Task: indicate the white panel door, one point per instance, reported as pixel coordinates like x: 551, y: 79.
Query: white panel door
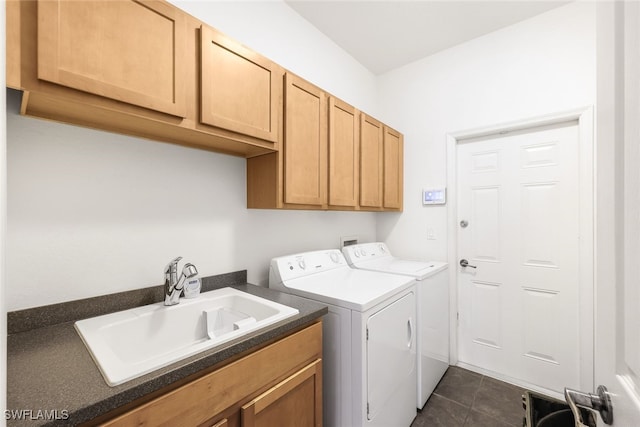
x: 519, y: 308
x: 617, y: 353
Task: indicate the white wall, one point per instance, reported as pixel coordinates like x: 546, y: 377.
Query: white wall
x: 540, y: 66
x: 92, y: 213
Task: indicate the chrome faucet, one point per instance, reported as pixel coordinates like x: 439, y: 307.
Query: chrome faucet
x: 172, y: 284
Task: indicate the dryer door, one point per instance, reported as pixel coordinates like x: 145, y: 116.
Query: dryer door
x: 391, y: 363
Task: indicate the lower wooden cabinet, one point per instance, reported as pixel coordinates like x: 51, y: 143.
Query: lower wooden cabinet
x: 278, y: 385
x: 293, y: 402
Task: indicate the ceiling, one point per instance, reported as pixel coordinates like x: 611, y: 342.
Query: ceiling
x: 383, y: 35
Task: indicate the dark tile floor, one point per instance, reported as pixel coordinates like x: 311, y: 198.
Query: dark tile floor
x: 464, y: 399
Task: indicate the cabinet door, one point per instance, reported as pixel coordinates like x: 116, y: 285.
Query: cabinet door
x: 130, y: 51
x: 343, y: 154
x: 240, y: 89
x: 371, y: 163
x: 295, y: 402
x: 393, y: 170
x: 305, y: 143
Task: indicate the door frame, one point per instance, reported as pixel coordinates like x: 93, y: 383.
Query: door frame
x: 584, y: 117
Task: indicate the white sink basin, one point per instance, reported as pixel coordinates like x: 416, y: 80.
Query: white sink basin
x: 131, y: 343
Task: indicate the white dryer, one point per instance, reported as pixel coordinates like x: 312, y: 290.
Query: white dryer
x: 369, y: 337
x: 433, y: 307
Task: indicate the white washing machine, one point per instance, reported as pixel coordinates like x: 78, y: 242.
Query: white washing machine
x: 433, y: 307
x: 369, y: 337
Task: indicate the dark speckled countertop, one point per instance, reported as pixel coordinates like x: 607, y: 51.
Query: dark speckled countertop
x: 50, y: 373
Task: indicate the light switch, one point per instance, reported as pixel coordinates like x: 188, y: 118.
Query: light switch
x: 431, y: 235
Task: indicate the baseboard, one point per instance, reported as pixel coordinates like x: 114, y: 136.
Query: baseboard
x: 511, y: 380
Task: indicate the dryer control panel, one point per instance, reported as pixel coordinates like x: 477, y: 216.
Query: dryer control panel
x: 304, y: 264
x: 365, y: 251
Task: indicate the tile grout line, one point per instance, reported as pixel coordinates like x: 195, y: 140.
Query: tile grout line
x: 468, y: 408
x: 474, y: 400
x: 450, y: 400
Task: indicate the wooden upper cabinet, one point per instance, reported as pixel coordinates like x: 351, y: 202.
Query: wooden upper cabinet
x: 305, y: 143
x: 147, y: 69
x: 393, y: 169
x: 129, y: 51
x: 12, y: 43
x: 240, y: 89
x: 344, y: 131
x: 371, y: 162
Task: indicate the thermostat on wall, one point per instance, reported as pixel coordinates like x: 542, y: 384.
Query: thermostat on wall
x: 434, y: 196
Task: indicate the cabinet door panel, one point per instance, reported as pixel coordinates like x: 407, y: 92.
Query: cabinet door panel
x: 371, y: 164
x: 130, y: 51
x: 393, y: 170
x: 343, y: 154
x: 295, y: 402
x: 240, y: 89
x: 305, y: 144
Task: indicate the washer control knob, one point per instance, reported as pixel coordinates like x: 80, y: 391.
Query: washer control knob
x: 356, y: 253
x: 363, y: 252
x: 302, y: 264
x: 382, y: 248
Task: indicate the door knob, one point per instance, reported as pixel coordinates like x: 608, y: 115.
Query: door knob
x: 600, y: 402
x: 465, y: 263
